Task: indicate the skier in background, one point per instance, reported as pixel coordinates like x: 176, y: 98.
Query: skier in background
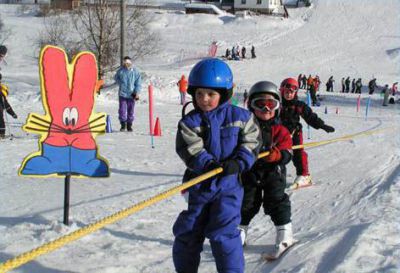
x: 4, y: 106
x: 245, y: 96
x: 386, y: 94
x: 3, y: 52
x: 329, y: 84
x: 130, y: 84
x: 310, y: 81
x: 343, y: 85
x: 265, y: 183
x: 299, y: 79
x: 347, y: 84
x: 372, y: 86
x: 244, y: 52
x: 353, y: 85
x: 358, y: 86
x: 182, y: 84
x: 228, y: 54
x: 253, y: 52
x: 292, y: 110
x: 304, y: 82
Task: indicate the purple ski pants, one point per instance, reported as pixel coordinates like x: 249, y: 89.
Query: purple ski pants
x: 126, y: 110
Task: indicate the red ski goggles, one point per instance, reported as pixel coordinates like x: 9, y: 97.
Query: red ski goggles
x: 264, y: 105
x: 291, y: 87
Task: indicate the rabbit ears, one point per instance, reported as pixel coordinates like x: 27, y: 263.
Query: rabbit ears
x: 63, y: 81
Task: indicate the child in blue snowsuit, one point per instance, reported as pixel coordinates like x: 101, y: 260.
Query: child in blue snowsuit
x: 214, y: 134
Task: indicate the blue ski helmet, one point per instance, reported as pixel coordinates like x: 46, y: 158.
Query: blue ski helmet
x: 214, y: 74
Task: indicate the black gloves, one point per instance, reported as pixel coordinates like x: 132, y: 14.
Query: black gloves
x: 212, y: 165
x: 15, y: 116
x: 135, y: 96
x: 230, y: 166
x: 328, y: 129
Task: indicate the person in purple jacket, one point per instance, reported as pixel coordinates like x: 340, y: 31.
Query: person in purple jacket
x: 130, y: 83
x: 214, y: 134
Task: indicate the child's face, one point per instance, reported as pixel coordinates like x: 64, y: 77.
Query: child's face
x: 289, y: 94
x: 268, y: 113
x: 207, y: 99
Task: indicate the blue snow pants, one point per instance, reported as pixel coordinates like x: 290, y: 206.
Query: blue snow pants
x: 213, y: 214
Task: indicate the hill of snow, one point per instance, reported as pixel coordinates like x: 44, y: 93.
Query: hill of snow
x: 347, y: 222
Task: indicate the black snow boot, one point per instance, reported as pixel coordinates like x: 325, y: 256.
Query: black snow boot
x: 129, y: 127
x: 123, y: 127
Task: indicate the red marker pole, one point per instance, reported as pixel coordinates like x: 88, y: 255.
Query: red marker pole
x: 151, y: 108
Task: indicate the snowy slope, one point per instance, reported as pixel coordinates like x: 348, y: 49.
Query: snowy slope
x: 347, y: 222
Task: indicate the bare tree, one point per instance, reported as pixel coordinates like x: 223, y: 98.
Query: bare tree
x: 98, y: 24
x: 142, y: 42
x: 58, y: 31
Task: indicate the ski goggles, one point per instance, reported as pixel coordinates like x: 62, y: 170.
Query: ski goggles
x: 291, y: 87
x: 264, y: 105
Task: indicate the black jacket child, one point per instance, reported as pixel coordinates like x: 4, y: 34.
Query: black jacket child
x: 265, y: 183
x: 290, y: 116
x: 4, y: 105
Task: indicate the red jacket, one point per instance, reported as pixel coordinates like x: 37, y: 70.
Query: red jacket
x: 273, y: 135
x: 183, y: 84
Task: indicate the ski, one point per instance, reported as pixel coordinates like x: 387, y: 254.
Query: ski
x: 278, y: 252
x: 296, y: 186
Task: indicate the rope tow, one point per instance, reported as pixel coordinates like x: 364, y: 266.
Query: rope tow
x: 63, y: 240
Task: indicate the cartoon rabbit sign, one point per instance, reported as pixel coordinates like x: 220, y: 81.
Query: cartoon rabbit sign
x: 68, y: 129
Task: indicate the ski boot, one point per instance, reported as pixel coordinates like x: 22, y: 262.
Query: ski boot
x: 301, y: 181
x: 284, y: 240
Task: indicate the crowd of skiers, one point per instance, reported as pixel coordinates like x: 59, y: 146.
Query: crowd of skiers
x: 218, y: 134
x: 348, y: 85
x: 237, y: 53
x: 310, y: 84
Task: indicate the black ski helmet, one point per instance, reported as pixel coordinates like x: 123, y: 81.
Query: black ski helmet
x: 263, y: 87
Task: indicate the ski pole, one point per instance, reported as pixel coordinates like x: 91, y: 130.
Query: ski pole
x: 8, y: 126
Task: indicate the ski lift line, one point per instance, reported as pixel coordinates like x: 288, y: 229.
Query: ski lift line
x: 320, y: 143
x: 86, y: 230
x: 343, y: 138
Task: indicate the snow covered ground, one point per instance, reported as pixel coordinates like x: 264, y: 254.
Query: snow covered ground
x: 347, y: 222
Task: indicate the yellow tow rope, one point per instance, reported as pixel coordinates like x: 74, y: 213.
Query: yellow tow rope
x: 63, y: 240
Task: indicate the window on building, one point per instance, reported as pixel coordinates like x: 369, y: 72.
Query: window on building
x: 259, y: 2
x: 243, y: 2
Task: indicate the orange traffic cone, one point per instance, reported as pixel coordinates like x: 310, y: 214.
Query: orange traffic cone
x: 157, y: 128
